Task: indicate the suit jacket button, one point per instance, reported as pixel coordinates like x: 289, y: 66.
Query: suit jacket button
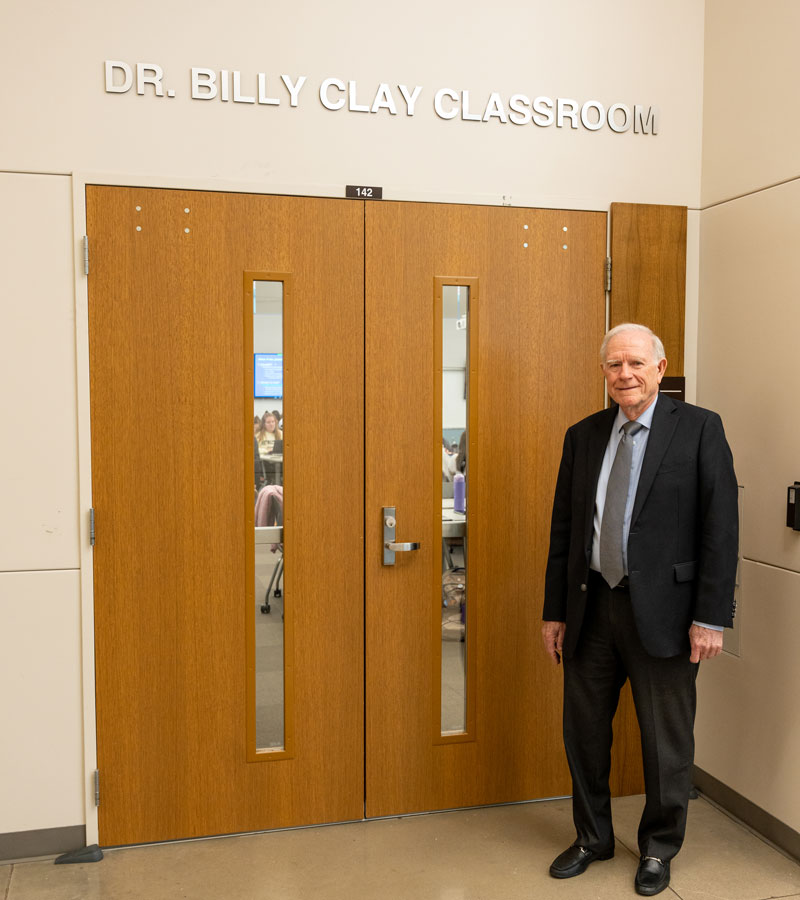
x: 583, y: 588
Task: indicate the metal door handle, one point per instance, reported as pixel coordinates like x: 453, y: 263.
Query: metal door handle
x: 390, y: 545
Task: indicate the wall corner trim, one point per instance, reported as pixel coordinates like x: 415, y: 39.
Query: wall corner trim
x: 20, y: 845
x: 754, y: 817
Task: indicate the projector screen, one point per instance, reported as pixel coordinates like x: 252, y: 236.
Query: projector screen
x: 268, y: 376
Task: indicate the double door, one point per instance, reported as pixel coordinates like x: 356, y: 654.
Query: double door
x: 373, y: 658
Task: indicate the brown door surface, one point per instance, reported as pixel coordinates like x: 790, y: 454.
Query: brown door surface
x: 648, y: 249
x: 536, y: 319
x: 170, y: 421
x: 170, y: 358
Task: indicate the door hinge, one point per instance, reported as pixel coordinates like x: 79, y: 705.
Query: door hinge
x: 86, y: 254
x: 608, y: 273
x: 97, y: 787
x: 91, y: 527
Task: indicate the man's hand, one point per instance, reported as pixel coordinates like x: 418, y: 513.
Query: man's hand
x: 706, y: 643
x: 553, y: 637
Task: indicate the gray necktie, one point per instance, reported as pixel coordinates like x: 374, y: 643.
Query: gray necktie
x: 614, y: 510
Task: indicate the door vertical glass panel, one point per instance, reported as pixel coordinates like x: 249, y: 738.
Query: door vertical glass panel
x: 268, y: 497
x: 455, y: 400
x: 454, y: 607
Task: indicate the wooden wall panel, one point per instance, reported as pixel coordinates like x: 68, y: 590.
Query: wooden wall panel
x: 648, y: 252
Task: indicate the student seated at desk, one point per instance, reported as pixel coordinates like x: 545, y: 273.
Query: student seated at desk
x: 448, y: 464
x: 268, y: 434
x: 461, y: 459
x: 260, y: 479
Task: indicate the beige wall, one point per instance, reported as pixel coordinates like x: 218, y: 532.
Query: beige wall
x: 41, y: 752
x: 748, y: 733
x: 59, y: 124
x: 41, y: 705
x: 752, y: 69
x: 57, y: 116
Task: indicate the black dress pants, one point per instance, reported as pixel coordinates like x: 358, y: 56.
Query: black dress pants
x: 609, y: 652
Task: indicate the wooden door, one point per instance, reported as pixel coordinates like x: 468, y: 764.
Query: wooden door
x: 536, y: 319
x: 173, y: 494
x: 648, y: 250
x: 170, y: 293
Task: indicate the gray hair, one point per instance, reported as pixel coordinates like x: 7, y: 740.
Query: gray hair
x: 658, y: 347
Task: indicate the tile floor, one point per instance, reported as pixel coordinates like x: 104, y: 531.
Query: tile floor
x: 501, y: 853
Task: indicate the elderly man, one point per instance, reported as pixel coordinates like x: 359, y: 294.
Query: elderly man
x: 639, y: 585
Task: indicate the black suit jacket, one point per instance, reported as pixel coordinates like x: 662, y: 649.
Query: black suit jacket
x: 684, y: 534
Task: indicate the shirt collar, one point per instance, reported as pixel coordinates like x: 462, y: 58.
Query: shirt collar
x: 645, y: 419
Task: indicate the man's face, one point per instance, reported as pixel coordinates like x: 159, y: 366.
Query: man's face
x: 632, y: 374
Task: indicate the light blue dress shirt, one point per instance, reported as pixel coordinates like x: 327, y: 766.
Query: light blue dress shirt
x: 639, y: 447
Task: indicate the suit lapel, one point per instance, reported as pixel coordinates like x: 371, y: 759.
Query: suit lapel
x: 665, y: 419
x: 595, y: 451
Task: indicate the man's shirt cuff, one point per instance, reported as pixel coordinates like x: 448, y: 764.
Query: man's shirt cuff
x: 712, y: 627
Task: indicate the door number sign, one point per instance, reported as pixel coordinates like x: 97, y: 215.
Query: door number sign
x: 363, y: 192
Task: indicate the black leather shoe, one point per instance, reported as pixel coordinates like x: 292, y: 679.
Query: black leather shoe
x: 574, y: 861
x: 652, y: 876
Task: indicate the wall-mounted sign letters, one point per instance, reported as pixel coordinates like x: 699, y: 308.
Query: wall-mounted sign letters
x: 335, y: 94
